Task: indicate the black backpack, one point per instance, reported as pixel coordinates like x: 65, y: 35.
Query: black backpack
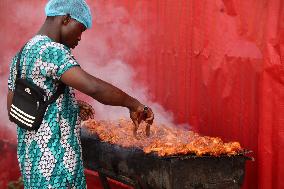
x: 30, y: 102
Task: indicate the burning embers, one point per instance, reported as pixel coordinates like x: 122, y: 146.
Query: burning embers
x: 165, y: 141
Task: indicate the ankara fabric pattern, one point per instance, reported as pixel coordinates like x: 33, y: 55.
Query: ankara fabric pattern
x: 50, y: 157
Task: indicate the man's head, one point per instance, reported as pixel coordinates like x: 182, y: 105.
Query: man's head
x: 74, y: 17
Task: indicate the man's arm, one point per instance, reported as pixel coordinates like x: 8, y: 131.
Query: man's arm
x: 106, y: 94
x: 98, y: 89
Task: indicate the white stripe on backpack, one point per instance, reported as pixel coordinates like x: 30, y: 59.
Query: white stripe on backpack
x: 27, y: 124
x: 23, y: 113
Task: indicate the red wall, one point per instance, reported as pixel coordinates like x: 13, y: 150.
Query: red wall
x: 218, y: 65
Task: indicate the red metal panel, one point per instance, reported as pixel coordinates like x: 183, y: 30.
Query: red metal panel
x: 271, y: 130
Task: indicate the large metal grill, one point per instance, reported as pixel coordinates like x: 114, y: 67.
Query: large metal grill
x: 133, y: 167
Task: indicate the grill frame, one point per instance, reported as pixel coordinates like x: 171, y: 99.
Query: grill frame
x: 133, y: 167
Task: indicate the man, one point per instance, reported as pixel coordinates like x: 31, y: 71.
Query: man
x: 51, y: 157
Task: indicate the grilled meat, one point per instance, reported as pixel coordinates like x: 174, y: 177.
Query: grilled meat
x: 164, y: 140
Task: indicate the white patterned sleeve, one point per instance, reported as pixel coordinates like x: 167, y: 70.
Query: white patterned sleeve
x: 58, y: 60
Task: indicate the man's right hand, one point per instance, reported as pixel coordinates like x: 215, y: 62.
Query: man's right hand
x: 142, y: 113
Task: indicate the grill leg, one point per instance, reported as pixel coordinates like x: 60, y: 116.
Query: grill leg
x: 104, y: 174
x: 104, y: 181
x: 137, y: 186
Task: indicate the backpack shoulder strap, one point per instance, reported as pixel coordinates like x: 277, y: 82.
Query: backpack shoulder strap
x: 60, y: 90
x: 18, y: 63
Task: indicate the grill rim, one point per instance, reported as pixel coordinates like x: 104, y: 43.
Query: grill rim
x: 243, y: 153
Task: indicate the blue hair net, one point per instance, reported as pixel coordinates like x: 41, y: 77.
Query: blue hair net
x: 78, y: 10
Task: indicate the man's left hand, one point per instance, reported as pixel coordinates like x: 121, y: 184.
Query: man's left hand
x: 86, y: 110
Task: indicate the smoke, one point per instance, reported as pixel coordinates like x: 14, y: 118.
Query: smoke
x: 117, y: 37
x: 122, y: 75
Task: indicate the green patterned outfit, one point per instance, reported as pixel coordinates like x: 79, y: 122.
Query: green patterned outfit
x: 52, y: 156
